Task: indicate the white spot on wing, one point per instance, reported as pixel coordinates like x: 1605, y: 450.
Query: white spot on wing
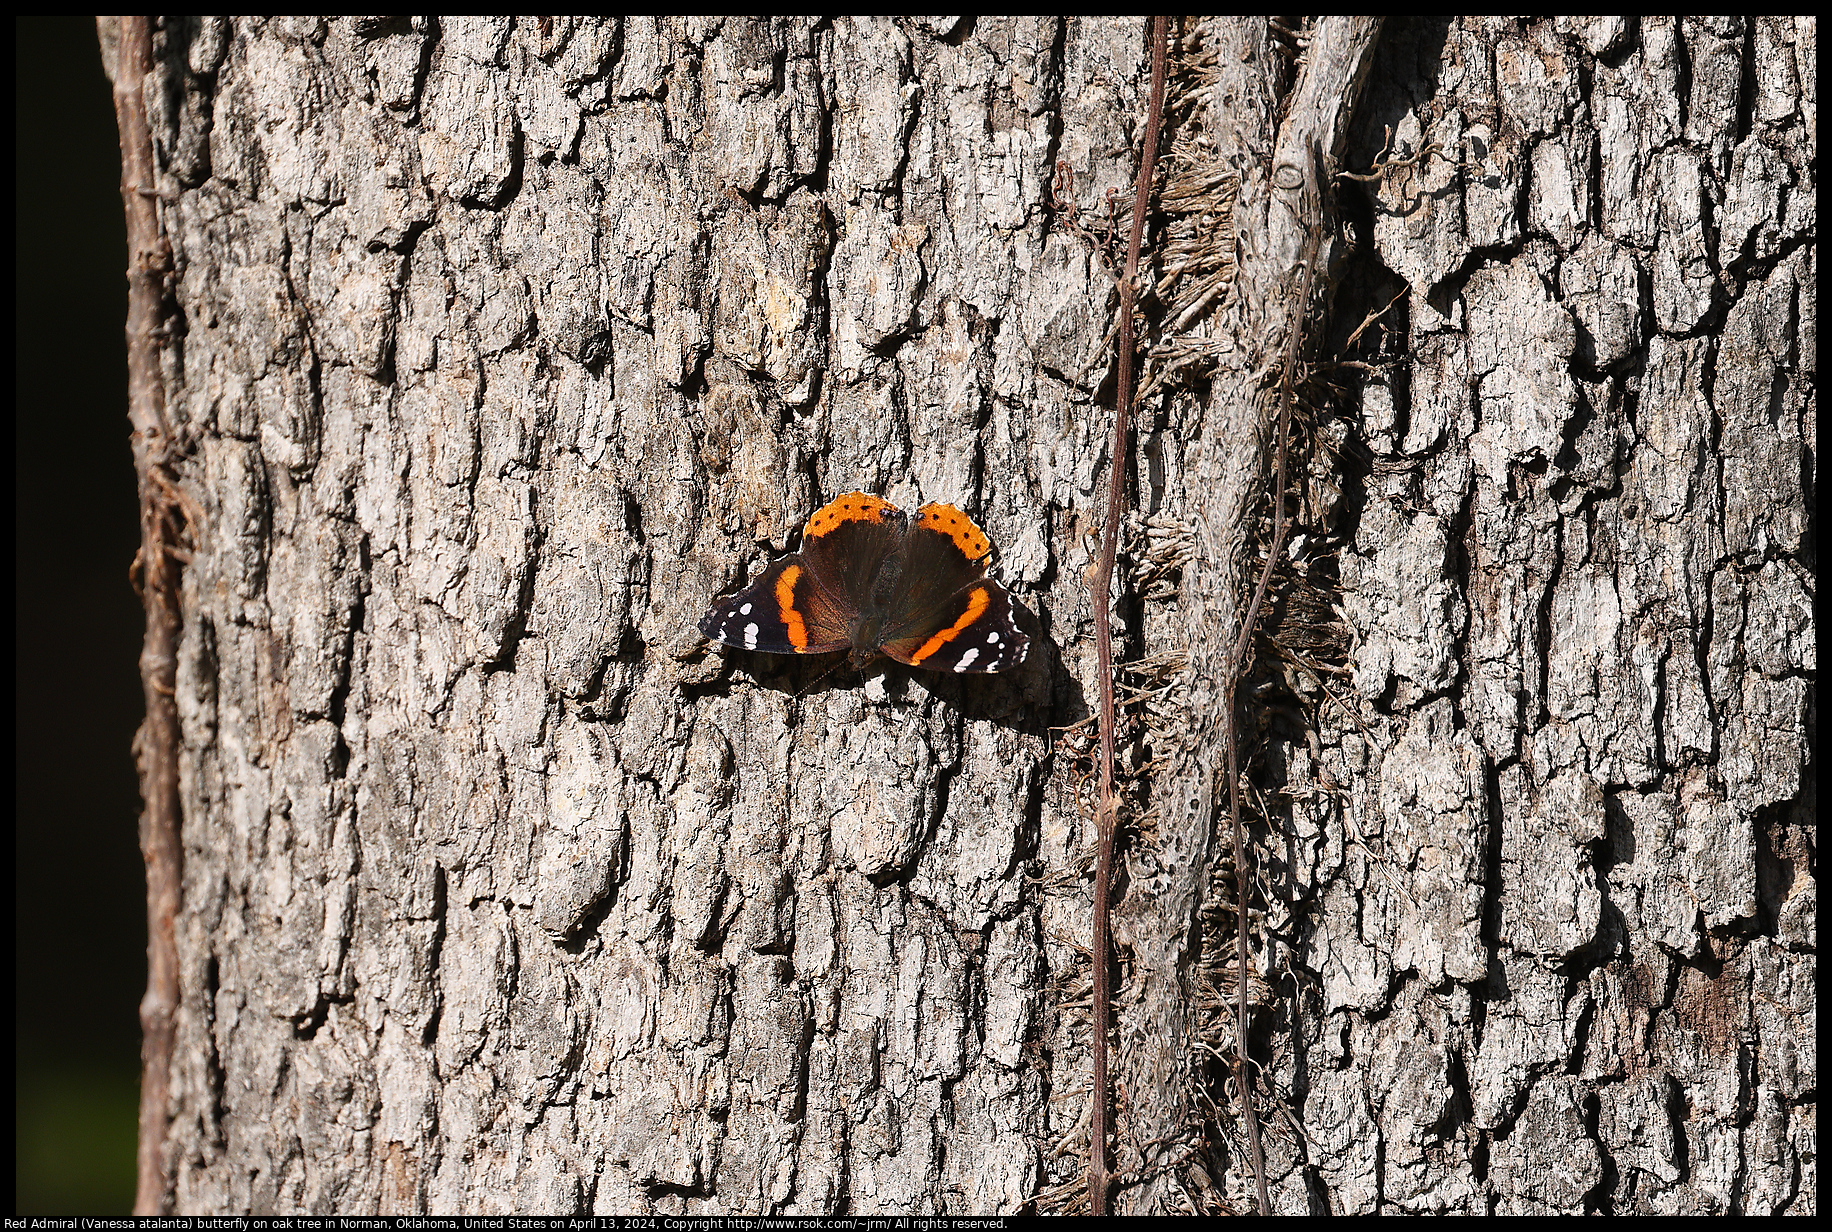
x: 967, y: 659
x: 750, y: 636
x: 744, y: 609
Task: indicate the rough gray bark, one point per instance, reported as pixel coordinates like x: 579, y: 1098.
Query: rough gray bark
x: 504, y: 345
x: 1539, y: 919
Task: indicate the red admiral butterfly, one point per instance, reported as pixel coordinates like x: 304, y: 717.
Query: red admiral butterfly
x: 872, y: 579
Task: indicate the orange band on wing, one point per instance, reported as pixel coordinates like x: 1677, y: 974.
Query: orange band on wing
x: 852, y: 507
x: 957, y: 526
x: 792, y: 622
x: 978, y: 599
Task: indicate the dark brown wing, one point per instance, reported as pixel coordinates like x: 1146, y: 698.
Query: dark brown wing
x: 941, y: 610
x: 973, y: 631
x: 783, y: 612
x: 847, y: 546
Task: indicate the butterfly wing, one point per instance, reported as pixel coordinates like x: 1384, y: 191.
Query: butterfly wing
x: 809, y: 602
x: 949, y: 615
x: 973, y: 631
x: 783, y: 612
x: 847, y: 544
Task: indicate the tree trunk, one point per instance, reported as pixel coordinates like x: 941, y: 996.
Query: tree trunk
x: 1538, y: 882
x: 499, y: 347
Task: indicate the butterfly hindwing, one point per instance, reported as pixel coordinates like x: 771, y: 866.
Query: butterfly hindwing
x: 950, y: 615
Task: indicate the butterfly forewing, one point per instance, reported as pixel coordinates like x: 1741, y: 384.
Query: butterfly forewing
x: 784, y: 611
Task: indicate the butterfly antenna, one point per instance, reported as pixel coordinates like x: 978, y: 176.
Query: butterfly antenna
x: 801, y: 692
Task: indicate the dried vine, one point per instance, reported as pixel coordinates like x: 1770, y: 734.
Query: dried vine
x: 157, y: 571
x: 1241, y: 268
x: 1100, y: 588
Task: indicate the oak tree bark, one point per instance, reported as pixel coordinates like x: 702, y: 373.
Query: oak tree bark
x: 1539, y: 880
x: 500, y: 346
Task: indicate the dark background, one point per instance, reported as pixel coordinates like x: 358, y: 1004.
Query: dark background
x: 80, y: 890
